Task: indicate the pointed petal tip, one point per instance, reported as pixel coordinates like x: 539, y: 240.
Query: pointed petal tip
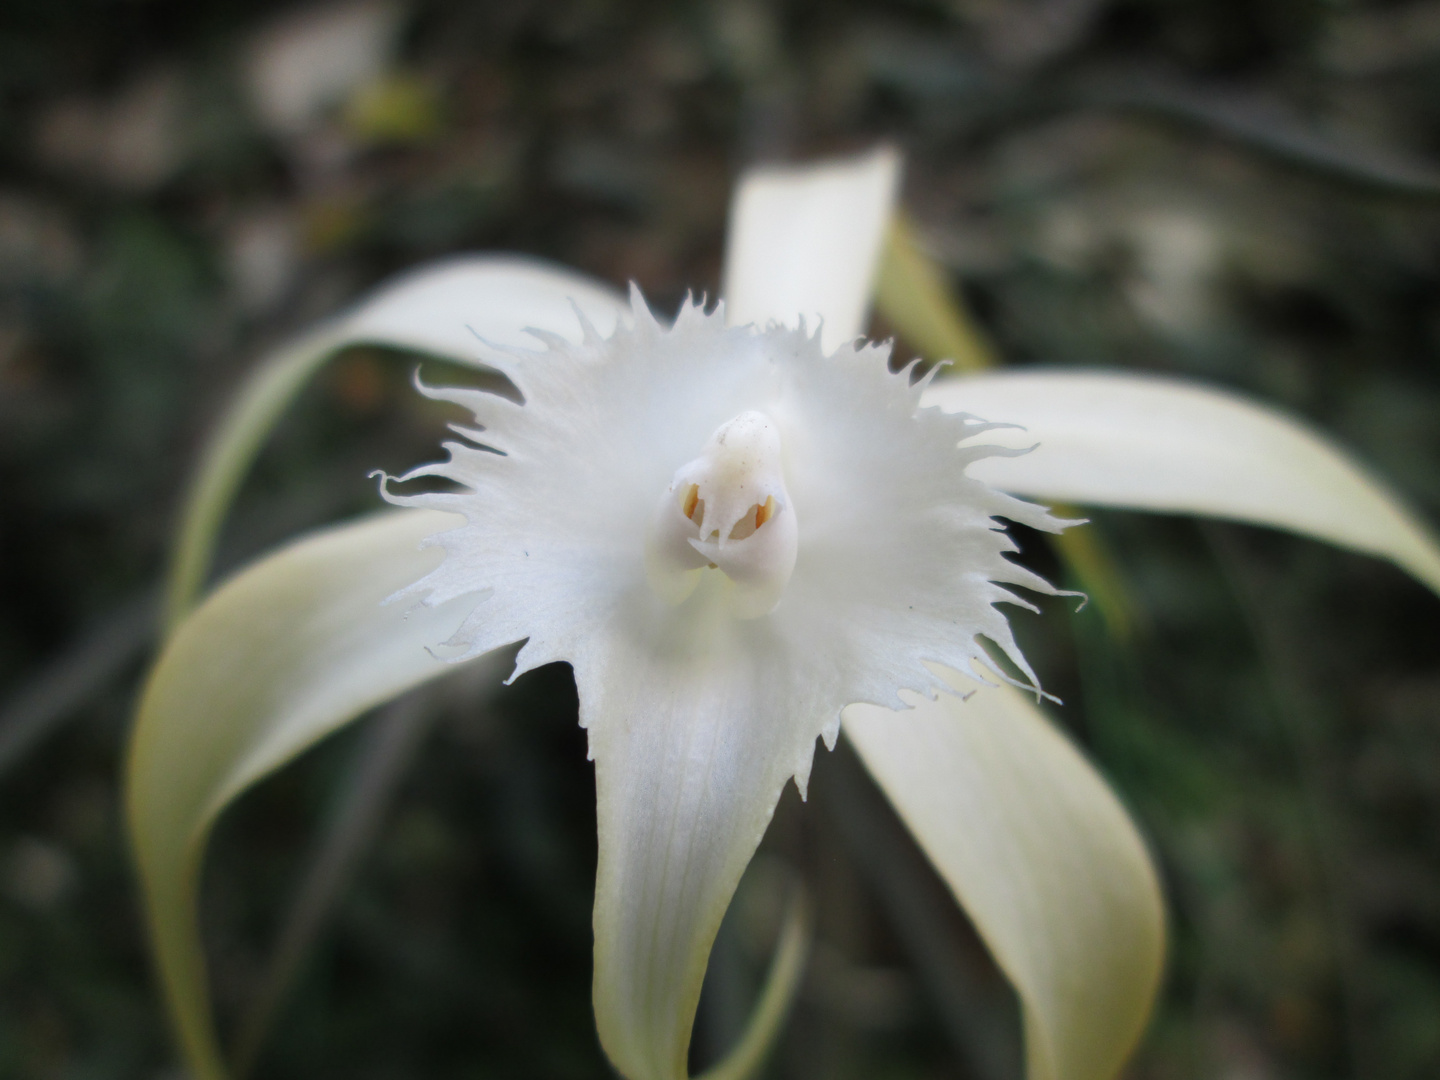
x: 804, y: 241
x: 1041, y: 855
x: 1149, y: 442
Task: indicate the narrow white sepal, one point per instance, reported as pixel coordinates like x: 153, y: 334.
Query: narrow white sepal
x: 274, y: 660
x: 804, y: 242
x: 1042, y: 856
x: 1145, y: 442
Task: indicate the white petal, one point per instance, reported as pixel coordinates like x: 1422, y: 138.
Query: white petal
x: 1041, y: 855
x: 273, y: 661
x: 804, y: 242
x: 445, y: 309
x: 696, y: 717
x: 689, y: 728
x: 1152, y: 443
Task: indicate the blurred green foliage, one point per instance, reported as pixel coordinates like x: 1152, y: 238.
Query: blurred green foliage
x: 1235, y: 191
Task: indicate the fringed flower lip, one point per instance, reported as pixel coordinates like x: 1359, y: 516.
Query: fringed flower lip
x: 820, y: 492
x: 742, y: 536
x: 730, y: 536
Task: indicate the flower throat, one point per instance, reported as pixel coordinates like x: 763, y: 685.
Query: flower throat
x: 727, y: 510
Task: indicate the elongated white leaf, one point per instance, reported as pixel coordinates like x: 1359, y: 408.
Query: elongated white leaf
x: 1150, y: 443
x: 276, y: 659
x: 804, y: 241
x: 1040, y: 854
x: 446, y: 309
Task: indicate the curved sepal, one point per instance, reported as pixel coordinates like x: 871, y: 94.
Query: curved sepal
x: 1150, y: 443
x: 804, y: 242
x: 448, y: 310
x: 283, y: 654
x: 690, y: 760
x: 1042, y: 856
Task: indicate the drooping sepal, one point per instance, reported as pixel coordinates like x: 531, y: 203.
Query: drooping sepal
x: 280, y: 656
x: 1043, y: 858
x: 1144, y: 442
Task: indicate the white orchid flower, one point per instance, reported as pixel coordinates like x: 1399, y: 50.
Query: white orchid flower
x: 742, y: 535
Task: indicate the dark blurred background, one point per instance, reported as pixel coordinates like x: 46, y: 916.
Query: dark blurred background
x: 1244, y: 192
